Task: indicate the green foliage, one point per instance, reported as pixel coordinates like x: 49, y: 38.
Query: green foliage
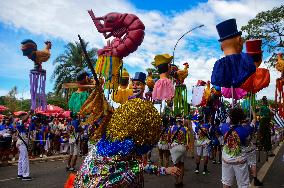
x: 268, y: 26
x: 70, y: 63
x: 56, y: 100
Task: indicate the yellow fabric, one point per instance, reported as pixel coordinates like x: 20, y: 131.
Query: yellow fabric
x: 162, y: 59
x: 121, y: 96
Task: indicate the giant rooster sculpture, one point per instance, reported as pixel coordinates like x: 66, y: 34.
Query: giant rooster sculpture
x: 37, y: 75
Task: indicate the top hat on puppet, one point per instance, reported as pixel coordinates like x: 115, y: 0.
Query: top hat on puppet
x: 125, y: 74
x: 254, y: 46
x: 139, y: 76
x: 228, y: 29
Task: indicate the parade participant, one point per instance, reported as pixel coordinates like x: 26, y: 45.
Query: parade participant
x: 123, y: 92
x: 179, y: 144
x: 233, y: 155
x: 74, y: 143
x: 264, y: 131
x: 251, y: 149
x: 202, y: 143
x: 164, y: 88
x: 163, y: 144
x: 22, y: 145
x: 216, y: 138
x: 80, y: 96
x: 115, y: 160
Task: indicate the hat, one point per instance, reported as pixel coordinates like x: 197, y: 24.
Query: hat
x: 254, y: 46
x: 227, y: 29
x: 162, y: 59
x: 139, y: 76
x: 124, y: 74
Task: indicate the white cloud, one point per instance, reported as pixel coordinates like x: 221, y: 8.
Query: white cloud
x: 65, y: 19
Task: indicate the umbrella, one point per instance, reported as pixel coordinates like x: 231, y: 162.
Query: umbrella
x: 65, y: 114
x: 18, y: 113
x: 50, y: 110
x: 3, y: 108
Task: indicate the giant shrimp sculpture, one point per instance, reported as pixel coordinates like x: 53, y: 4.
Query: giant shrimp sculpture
x: 128, y: 33
x: 37, y: 75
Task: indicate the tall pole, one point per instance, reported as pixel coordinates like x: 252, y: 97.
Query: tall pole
x: 181, y: 38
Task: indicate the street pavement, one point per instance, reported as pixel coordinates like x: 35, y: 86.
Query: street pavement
x: 52, y: 174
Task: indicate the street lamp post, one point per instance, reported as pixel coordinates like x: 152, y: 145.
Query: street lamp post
x: 182, y: 37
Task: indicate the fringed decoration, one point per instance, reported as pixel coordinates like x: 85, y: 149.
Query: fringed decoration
x: 180, y: 100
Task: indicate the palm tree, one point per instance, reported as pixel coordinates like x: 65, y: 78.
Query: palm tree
x: 70, y: 63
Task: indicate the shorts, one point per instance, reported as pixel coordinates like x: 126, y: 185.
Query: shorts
x: 74, y: 149
x: 240, y: 171
x: 202, y: 150
x: 178, y: 153
x: 251, y: 158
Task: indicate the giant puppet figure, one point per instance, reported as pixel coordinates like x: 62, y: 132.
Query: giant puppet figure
x: 37, y: 75
x: 128, y: 33
x: 233, y: 69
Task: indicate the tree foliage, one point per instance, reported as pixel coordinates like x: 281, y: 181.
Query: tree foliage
x: 69, y: 63
x: 268, y: 26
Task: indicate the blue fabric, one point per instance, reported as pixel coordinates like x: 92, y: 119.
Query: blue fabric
x: 232, y: 70
x: 243, y: 132
x: 2, y: 127
x: 204, y: 126
x: 76, y: 124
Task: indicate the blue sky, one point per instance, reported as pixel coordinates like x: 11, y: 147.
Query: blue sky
x: 165, y: 22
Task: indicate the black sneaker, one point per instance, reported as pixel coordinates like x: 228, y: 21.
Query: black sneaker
x: 257, y: 183
x: 196, y: 171
x: 26, y: 178
x: 219, y: 162
x: 19, y: 177
x: 214, y: 161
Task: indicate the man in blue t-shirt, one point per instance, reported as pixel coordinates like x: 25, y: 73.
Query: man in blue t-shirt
x: 233, y: 155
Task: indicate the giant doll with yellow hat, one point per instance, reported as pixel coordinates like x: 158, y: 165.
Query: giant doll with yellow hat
x: 164, y: 88
x: 123, y: 92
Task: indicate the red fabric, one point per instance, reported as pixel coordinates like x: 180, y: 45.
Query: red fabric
x: 69, y: 183
x: 256, y: 82
x: 279, y: 96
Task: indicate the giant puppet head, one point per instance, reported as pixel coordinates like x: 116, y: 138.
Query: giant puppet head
x: 138, y: 84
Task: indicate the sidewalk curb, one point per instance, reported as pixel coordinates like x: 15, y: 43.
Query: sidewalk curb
x: 265, y: 167
x: 50, y: 158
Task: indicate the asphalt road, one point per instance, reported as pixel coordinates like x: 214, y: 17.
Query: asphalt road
x: 52, y: 174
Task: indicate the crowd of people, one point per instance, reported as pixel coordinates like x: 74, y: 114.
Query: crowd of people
x: 46, y: 136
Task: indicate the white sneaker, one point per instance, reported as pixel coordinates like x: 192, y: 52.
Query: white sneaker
x: 44, y: 156
x: 13, y: 159
x: 40, y: 155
